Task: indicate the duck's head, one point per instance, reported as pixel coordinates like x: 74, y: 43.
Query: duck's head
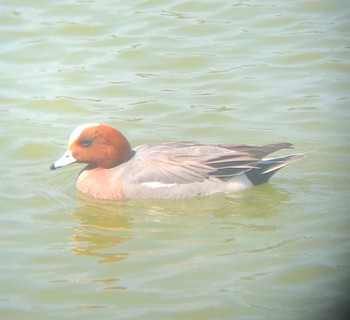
x: 97, y: 145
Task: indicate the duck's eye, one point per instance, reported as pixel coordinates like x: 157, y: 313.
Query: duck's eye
x: 86, y: 142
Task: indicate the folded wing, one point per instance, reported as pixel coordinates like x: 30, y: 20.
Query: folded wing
x: 186, y: 162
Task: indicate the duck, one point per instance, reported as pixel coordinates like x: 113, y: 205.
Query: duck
x: 169, y: 170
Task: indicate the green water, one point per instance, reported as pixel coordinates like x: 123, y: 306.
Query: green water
x: 253, y: 72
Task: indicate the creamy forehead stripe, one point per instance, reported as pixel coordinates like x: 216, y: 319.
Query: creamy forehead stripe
x: 78, y: 130
x: 155, y: 184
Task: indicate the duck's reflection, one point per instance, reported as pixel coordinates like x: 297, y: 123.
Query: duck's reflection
x: 101, y: 228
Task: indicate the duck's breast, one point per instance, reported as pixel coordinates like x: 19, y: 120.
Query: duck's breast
x: 101, y: 184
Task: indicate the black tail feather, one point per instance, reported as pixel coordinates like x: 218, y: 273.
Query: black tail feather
x: 268, y: 167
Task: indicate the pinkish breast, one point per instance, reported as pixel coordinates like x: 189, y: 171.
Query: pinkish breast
x: 100, y: 184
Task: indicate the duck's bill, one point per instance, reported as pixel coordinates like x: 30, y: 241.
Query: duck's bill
x: 65, y: 160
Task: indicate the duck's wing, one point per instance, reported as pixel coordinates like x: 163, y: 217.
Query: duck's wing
x: 185, y: 162
x: 258, y: 152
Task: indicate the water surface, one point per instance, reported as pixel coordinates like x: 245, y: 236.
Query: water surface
x: 211, y: 71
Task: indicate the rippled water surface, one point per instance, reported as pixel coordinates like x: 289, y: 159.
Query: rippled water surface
x: 211, y: 71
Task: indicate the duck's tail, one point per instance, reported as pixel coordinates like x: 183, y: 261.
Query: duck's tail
x: 266, y: 168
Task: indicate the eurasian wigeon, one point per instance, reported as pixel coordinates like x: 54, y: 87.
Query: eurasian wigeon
x: 170, y: 170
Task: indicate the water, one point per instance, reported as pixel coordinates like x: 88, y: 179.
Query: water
x: 211, y: 71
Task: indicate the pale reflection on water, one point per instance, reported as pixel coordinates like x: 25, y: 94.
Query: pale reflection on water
x: 99, y: 231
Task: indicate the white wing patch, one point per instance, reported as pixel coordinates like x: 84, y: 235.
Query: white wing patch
x: 155, y: 184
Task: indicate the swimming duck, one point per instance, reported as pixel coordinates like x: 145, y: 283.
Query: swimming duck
x: 170, y: 170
